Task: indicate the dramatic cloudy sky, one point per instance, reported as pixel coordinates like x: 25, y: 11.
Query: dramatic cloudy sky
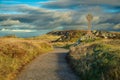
x: 35, y: 17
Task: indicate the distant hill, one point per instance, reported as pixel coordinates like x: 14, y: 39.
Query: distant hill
x: 68, y: 35
x: 74, y: 35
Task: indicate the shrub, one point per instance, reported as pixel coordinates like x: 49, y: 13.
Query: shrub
x: 97, y: 62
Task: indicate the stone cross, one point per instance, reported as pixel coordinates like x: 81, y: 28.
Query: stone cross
x: 89, y: 18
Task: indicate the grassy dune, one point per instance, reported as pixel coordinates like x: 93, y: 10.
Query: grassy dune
x: 46, y: 37
x: 15, y: 53
x: 52, y: 40
x: 98, y: 60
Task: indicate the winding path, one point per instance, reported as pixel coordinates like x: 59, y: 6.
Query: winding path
x: 49, y: 66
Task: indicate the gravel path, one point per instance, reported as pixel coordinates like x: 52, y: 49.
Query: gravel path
x: 49, y: 66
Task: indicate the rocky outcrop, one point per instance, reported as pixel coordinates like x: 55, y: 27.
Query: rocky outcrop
x: 75, y: 35
x: 68, y: 35
x: 109, y: 35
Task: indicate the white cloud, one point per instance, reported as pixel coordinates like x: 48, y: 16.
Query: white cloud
x: 117, y: 26
x: 16, y: 30
x: 9, y: 22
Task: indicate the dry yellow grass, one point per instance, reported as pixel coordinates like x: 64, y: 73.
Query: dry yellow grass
x: 52, y: 39
x: 46, y: 37
x: 15, y: 53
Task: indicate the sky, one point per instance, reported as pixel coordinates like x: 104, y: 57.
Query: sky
x: 27, y: 18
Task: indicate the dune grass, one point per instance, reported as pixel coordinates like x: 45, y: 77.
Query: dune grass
x: 15, y: 53
x: 97, y: 61
x: 52, y: 40
x: 45, y: 37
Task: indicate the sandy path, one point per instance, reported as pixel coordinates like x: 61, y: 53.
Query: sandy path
x: 49, y: 66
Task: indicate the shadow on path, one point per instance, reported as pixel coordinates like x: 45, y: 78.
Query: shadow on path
x: 64, y: 71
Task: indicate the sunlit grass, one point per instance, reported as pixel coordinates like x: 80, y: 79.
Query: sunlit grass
x: 46, y: 37
x: 15, y: 53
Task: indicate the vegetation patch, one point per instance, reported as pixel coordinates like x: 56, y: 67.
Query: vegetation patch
x: 15, y: 53
x: 97, y: 60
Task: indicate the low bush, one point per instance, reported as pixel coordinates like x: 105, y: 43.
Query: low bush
x: 96, y: 61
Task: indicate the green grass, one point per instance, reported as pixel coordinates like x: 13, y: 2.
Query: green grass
x: 15, y: 53
x: 97, y: 60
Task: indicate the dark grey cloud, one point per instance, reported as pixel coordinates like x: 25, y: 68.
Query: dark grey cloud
x: 110, y: 18
x: 80, y: 3
x: 23, y: 8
